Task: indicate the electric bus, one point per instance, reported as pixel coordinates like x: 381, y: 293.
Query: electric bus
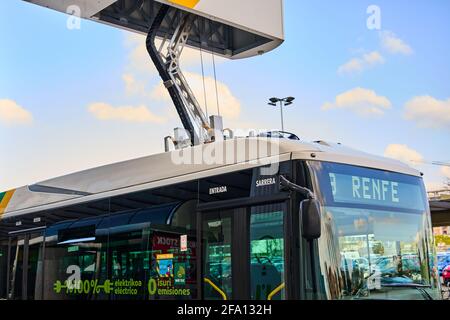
x: 273, y: 219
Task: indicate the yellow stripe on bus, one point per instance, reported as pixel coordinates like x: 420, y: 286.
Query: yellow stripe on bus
x: 5, y: 201
x: 186, y: 3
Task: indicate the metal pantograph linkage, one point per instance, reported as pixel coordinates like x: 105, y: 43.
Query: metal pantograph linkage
x: 168, y: 65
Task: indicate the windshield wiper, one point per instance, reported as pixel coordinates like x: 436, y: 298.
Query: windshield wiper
x: 411, y: 285
x: 420, y: 287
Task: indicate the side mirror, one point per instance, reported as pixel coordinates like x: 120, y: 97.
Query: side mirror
x: 311, y: 219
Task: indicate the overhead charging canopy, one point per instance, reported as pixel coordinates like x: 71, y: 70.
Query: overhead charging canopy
x: 230, y: 28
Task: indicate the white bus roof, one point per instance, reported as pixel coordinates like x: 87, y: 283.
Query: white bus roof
x: 232, y: 28
x: 162, y: 169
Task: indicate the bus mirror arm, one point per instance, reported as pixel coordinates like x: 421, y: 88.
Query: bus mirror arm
x: 309, y: 210
x: 286, y: 184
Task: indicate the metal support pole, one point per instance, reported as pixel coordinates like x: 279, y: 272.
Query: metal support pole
x: 25, y: 260
x: 282, y: 121
x: 8, y: 268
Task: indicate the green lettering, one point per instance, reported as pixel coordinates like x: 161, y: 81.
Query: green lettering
x: 152, y: 286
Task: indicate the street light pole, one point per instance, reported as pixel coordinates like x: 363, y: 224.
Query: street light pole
x: 283, y: 102
x: 282, y: 121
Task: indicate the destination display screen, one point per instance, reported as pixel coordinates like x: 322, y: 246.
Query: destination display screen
x: 356, y: 185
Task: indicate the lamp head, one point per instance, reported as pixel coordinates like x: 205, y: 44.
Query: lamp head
x: 274, y: 100
x: 289, y: 99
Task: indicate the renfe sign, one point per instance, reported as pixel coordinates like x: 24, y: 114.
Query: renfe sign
x: 375, y: 191
x: 367, y: 188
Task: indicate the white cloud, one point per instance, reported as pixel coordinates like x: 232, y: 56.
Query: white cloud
x: 229, y: 105
x: 140, y: 77
x: 444, y: 174
x: 11, y: 113
x: 403, y: 153
x: 428, y: 112
x: 362, y: 101
x: 394, y: 44
x: 140, y: 70
x: 434, y: 186
x: 389, y: 41
x: 445, y: 171
x: 354, y: 65
x: 104, y: 111
x: 159, y: 92
x: 133, y: 86
x: 360, y: 64
x: 373, y: 57
x: 138, y: 60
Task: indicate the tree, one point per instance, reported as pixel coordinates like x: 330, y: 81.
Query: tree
x: 442, y: 238
x: 378, y: 248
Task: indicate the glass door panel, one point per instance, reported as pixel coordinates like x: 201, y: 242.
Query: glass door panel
x: 267, y: 259
x: 217, y: 258
x: 15, y: 275
x: 243, y: 253
x: 34, y: 267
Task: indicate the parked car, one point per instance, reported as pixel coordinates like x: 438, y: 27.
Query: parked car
x: 387, y: 266
x: 349, y: 264
x: 446, y: 275
x: 363, y: 263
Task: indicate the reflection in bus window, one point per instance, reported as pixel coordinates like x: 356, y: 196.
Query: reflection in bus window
x: 173, y: 271
x: 75, y: 270
x: 217, y: 252
x: 130, y: 255
x: 374, y: 253
x: 267, y: 253
x: 374, y: 242
x: 127, y: 250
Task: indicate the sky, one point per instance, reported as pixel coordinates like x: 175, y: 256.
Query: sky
x: 72, y: 99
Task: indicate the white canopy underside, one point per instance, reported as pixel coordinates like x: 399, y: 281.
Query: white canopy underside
x: 231, y: 28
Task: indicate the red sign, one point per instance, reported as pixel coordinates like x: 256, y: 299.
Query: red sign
x: 183, y: 243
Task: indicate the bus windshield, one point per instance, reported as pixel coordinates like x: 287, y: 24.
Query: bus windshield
x: 376, y: 234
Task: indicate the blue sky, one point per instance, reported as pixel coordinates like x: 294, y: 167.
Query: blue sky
x: 399, y: 76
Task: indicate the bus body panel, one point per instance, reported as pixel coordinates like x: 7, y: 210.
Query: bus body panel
x: 163, y: 169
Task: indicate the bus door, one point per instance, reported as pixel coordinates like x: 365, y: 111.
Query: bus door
x: 24, y: 265
x: 267, y: 248
x: 243, y: 253
x: 218, y: 259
